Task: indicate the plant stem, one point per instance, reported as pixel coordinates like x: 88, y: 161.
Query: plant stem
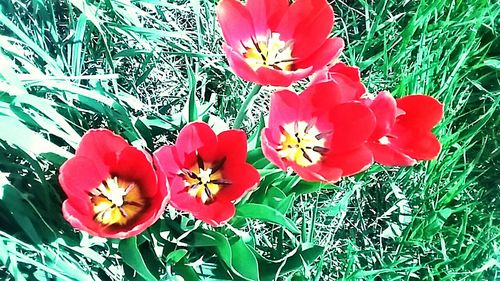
x: 243, y: 110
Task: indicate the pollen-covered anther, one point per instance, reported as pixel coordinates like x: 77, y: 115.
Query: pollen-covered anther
x: 204, y: 180
x: 302, y: 143
x: 269, y: 51
x: 116, y: 201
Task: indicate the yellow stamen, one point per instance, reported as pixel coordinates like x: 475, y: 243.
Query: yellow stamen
x: 204, y: 180
x: 301, y: 143
x: 116, y: 201
x: 270, y: 52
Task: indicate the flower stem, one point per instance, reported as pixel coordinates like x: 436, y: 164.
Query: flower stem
x: 243, y: 109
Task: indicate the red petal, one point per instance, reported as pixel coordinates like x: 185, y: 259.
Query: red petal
x: 266, y: 15
x: 239, y: 66
x: 102, y: 146
x: 148, y: 217
x: 388, y: 156
x: 243, y: 177
x: 235, y: 21
x: 269, y: 149
x: 284, y: 109
x: 133, y: 165
x: 347, y: 78
x: 279, y: 78
x: 318, y: 173
x: 233, y: 145
x: 215, y: 213
x: 330, y: 50
x: 80, y: 221
x: 350, y: 73
x: 421, y: 112
x: 416, y: 144
x: 303, y: 17
x: 384, y: 109
x: 166, y: 159
x: 196, y: 136
x: 351, y: 162
x: 353, y: 123
x: 78, y: 176
x: 321, y: 97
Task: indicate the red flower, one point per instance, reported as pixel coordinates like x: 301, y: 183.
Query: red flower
x: 343, y: 78
x: 274, y: 43
x: 113, y: 190
x: 317, y: 134
x: 403, y: 131
x: 207, y: 172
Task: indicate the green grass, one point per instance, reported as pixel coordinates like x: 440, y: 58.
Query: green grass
x: 143, y: 68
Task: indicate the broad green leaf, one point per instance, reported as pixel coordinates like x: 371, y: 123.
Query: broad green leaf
x: 244, y: 261
x: 132, y: 256
x: 265, y: 213
x: 236, y: 255
x: 175, y: 256
x: 16, y: 133
x: 214, y: 239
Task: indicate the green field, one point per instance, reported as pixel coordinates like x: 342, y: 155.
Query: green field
x: 143, y: 68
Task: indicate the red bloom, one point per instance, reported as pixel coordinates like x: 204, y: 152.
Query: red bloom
x: 207, y: 172
x: 403, y: 131
x: 113, y: 190
x: 343, y: 78
x: 274, y: 43
x: 317, y: 134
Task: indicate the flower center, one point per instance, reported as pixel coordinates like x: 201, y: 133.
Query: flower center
x: 302, y: 143
x: 116, y: 201
x: 269, y: 52
x: 204, y: 180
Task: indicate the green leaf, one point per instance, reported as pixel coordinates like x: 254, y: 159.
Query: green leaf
x: 244, y: 261
x: 237, y: 256
x: 265, y: 213
x: 303, y: 255
x: 175, y: 256
x: 276, y: 199
x: 132, y: 256
x: 16, y: 133
x: 213, y: 239
x: 192, y: 108
x: 254, y: 139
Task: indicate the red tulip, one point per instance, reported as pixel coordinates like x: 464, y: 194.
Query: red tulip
x: 274, y: 43
x: 207, y: 173
x: 113, y: 190
x: 403, y: 132
x: 317, y: 134
x: 342, y: 78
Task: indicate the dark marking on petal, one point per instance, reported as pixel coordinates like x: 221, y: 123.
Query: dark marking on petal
x: 320, y: 150
x: 209, y: 194
x: 122, y: 211
x: 221, y: 181
x: 190, y: 174
x: 200, y: 162
x: 217, y: 165
x: 194, y: 186
x: 258, y: 49
x: 322, y: 135
x: 133, y: 203
x: 304, y: 153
